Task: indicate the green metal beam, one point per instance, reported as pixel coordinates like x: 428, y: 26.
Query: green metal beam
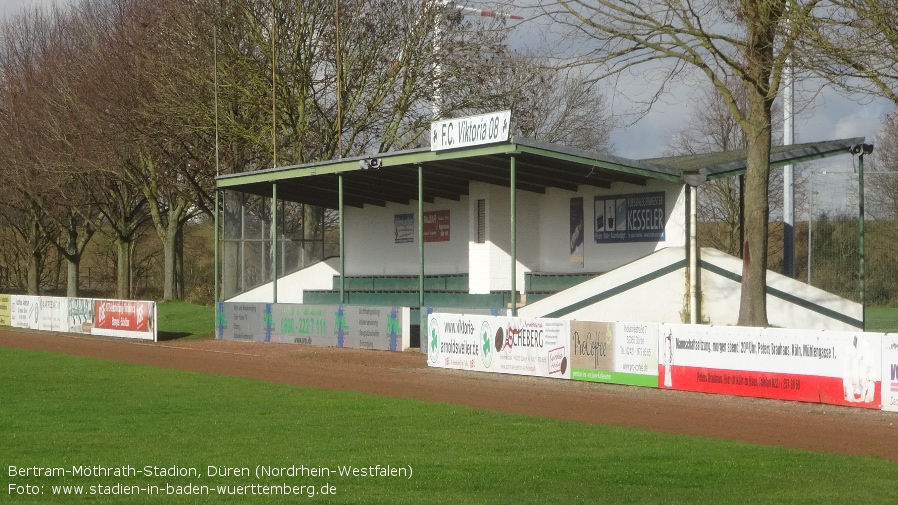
x: 617, y: 166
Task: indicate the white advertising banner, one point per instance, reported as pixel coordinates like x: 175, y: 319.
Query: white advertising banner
x: 835, y: 367
x: 520, y: 346
x: 890, y: 372
x: 25, y: 311
x: 53, y: 314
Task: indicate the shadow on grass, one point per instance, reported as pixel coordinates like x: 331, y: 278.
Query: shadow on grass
x: 171, y: 335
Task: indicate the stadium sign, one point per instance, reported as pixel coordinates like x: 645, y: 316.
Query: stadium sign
x: 470, y: 131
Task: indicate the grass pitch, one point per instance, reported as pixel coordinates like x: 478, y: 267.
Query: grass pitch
x: 101, y: 418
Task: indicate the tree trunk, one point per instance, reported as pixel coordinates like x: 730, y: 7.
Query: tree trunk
x: 169, y: 243
x: 73, y: 263
x: 33, y: 273
x: 123, y: 269
x: 753, y: 303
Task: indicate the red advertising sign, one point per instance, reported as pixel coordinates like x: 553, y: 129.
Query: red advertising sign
x: 121, y: 315
x: 436, y: 226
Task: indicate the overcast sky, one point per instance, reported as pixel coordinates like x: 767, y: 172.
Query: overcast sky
x: 830, y: 117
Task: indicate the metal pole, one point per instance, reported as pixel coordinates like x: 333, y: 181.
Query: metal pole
x: 215, y: 294
x: 810, y: 223
x: 274, y: 242
x: 694, y: 316
x: 788, y: 177
x: 514, y: 239
x: 860, y: 199
x: 342, y: 240
x: 421, y: 240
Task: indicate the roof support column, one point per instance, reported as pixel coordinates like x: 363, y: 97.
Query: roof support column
x: 514, y: 237
x: 694, y: 274
x: 274, y: 242
x: 341, y: 216
x: 215, y: 239
x: 421, y: 239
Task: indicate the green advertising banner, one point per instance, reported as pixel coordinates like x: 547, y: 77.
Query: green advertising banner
x: 357, y: 327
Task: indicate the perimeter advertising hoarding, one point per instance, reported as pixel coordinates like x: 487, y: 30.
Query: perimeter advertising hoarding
x: 53, y: 314
x: 72, y: 315
x: 125, y: 318
x: 5, y: 310
x: 833, y: 367
x: 80, y: 315
x: 617, y: 353
x: 890, y: 372
x: 357, y: 327
x: 536, y: 347
x: 25, y: 311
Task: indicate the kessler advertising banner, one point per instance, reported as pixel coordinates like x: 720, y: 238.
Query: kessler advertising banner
x: 537, y: 347
x: 833, y: 367
x: 616, y: 353
x: 638, y: 217
x: 125, y: 318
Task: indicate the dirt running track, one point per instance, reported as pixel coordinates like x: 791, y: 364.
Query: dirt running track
x: 406, y: 375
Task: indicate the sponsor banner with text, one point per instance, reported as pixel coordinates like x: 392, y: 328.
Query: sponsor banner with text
x: 833, y: 367
x: 5, y: 310
x: 890, y: 372
x: 616, y: 353
x: 520, y: 346
x: 25, y: 310
x: 357, y: 327
x: 53, y: 314
x: 125, y: 318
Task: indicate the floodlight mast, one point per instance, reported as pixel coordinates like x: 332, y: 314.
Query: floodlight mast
x: 445, y: 5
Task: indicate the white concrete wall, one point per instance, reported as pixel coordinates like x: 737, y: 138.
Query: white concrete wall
x: 720, y: 303
x: 663, y: 299
x: 371, y: 247
x: 291, y: 287
x: 495, y: 272
x: 660, y: 300
x: 554, y: 227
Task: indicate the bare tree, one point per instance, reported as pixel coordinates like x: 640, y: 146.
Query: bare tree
x: 709, y: 128
x: 749, y: 41
x: 856, y: 46
x: 558, y: 105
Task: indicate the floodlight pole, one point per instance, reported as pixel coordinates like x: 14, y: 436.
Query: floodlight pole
x: 788, y: 177
x: 860, y: 199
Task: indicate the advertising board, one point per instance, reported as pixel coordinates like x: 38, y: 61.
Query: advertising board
x: 357, y: 327
x: 833, y: 367
x: 520, y: 346
x: 124, y: 318
x: 615, y: 352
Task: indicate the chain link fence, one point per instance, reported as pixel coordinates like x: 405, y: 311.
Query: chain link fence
x: 833, y: 235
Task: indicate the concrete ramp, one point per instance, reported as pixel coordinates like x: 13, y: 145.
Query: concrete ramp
x: 655, y: 289
x: 650, y: 289
x: 291, y: 287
